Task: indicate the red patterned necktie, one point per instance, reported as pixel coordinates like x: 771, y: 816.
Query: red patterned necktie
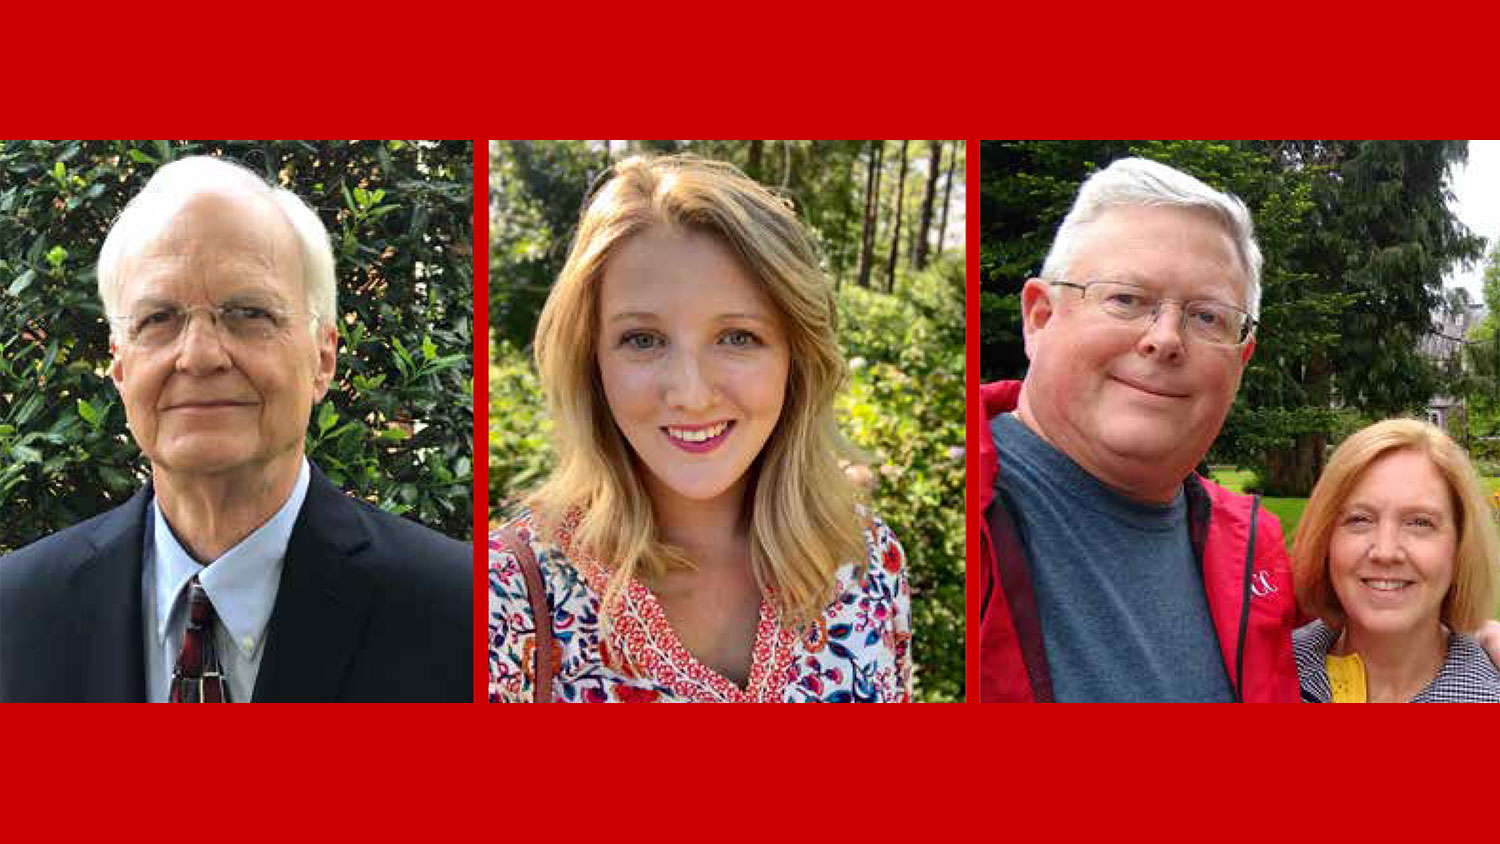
x: 198, y: 677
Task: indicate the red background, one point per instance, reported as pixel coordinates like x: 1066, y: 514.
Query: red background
x: 937, y: 772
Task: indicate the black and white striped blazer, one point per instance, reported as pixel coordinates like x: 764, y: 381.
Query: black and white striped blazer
x: 1467, y: 675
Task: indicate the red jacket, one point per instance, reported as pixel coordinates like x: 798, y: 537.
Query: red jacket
x: 1243, y: 561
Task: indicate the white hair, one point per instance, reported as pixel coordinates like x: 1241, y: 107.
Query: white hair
x: 1141, y: 182
x: 172, y: 185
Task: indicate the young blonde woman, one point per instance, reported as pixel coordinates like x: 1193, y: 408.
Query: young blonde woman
x: 698, y: 540
x: 1396, y: 556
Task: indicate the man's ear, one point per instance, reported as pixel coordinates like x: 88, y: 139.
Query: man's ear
x: 327, y: 344
x: 115, y: 373
x: 1036, y: 309
x: 1247, y: 351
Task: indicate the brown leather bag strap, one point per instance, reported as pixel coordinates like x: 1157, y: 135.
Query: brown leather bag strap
x: 541, y: 614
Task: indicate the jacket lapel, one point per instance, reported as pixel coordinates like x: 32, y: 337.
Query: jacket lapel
x: 1223, y: 540
x: 106, y: 652
x: 322, y: 601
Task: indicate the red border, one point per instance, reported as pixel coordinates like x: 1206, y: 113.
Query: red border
x: 972, y: 513
x: 481, y: 242
x: 423, y: 773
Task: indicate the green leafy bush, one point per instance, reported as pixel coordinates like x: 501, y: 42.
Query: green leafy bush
x: 905, y: 409
x: 396, y: 426
x: 520, y: 430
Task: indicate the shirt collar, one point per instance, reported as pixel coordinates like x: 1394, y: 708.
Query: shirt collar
x: 242, y: 583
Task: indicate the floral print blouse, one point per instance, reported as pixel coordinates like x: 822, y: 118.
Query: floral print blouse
x: 858, y: 650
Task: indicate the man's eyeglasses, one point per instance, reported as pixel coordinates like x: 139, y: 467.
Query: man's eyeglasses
x: 1204, y: 319
x: 159, y: 326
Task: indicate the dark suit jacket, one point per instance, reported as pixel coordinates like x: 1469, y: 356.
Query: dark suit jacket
x: 371, y: 607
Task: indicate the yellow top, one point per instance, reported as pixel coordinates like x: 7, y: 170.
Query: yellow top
x: 1346, y: 677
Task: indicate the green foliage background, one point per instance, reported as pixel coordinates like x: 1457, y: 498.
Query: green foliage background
x: 1480, y: 384
x: 904, y: 406
x: 396, y: 426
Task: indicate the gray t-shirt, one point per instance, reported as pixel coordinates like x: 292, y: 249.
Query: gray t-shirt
x: 1119, y: 591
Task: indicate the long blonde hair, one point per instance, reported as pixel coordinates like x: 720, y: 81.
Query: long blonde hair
x: 1471, y: 596
x: 804, y: 523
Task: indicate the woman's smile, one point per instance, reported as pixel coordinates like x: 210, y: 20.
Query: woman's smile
x: 699, y: 439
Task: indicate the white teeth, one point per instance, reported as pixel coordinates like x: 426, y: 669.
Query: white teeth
x: 1386, y: 585
x: 697, y: 435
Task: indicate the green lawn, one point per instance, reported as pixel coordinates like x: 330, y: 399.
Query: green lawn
x: 1287, y: 510
x: 1234, y: 479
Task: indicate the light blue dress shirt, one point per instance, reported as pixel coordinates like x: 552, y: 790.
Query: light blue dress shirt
x: 242, y: 585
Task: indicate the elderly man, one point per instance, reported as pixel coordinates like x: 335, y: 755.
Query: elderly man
x: 1109, y: 571
x: 239, y: 573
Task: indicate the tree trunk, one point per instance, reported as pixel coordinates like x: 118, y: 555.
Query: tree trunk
x: 844, y: 242
x: 919, y: 257
x: 890, y: 270
x: 872, y: 191
x: 947, y: 196
x: 1291, y: 473
x: 756, y: 150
